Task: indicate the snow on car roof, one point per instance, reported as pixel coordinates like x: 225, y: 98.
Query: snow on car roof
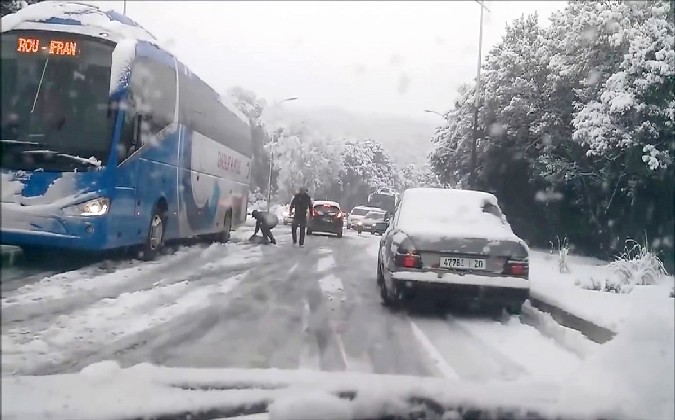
x: 453, y: 213
x: 76, y: 17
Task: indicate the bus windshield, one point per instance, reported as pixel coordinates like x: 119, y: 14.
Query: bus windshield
x: 55, y: 99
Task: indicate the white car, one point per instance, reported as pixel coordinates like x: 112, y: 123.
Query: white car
x: 373, y: 217
x: 452, y: 245
x: 357, y: 214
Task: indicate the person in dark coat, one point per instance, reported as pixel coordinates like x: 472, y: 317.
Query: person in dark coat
x: 264, y: 222
x: 299, y: 208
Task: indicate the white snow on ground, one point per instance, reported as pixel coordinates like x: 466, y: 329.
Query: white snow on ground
x: 106, y: 322
x: 608, y: 310
x: 76, y: 282
x: 569, y: 338
x: 635, y: 370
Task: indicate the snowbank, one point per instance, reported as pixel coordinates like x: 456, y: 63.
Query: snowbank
x: 636, y: 369
x: 607, y: 310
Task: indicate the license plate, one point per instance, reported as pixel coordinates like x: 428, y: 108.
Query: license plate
x: 459, y: 263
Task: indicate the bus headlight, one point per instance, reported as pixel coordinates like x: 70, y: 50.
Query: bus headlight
x: 96, y: 207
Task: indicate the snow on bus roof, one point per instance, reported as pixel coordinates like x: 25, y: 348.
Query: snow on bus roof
x: 78, y: 17
x: 92, y: 21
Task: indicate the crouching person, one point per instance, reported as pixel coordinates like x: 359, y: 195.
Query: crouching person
x: 264, y: 222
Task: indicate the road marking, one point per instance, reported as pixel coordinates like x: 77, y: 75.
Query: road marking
x: 438, y: 359
x: 341, y: 347
x: 325, y: 263
x: 309, y: 353
x: 331, y: 285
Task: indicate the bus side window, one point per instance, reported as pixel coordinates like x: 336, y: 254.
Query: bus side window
x: 153, y: 86
x: 129, y: 138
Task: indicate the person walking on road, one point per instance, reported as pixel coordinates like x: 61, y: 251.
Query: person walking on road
x: 264, y: 222
x: 299, y: 208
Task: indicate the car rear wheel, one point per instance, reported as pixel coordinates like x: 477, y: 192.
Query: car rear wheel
x: 388, y: 298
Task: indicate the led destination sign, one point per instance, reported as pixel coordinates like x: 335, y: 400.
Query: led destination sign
x: 58, y: 47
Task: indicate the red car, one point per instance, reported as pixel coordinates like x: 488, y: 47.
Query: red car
x: 326, y: 216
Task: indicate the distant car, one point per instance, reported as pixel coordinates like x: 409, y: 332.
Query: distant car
x: 358, y: 213
x: 371, y: 218
x: 452, y: 245
x: 286, y: 216
x: 378, y: 228
x: 326, y: 216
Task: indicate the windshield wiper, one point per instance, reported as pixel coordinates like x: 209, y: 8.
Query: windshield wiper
x: 21, y: 142
x: 90, y: 161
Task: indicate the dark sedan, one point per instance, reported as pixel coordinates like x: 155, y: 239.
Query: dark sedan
x: 326, y: 216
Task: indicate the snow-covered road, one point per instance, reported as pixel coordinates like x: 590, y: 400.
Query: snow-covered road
x: 244, y: 305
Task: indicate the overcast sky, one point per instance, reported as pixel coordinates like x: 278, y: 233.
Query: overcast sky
x: 387, y: 57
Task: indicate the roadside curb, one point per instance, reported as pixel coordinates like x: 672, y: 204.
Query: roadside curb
x: 589, y: 329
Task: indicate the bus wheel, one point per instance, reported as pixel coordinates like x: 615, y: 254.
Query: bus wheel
x: 155, y: 240
x: 224, y: 235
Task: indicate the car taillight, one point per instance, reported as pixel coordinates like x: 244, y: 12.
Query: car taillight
x: 517, y: 268
x: 409, y: 260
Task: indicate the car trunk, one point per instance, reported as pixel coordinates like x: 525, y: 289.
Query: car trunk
x: 483, y: 255
x: 325, y: 217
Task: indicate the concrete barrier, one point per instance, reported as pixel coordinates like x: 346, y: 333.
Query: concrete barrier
x: 592, y: 331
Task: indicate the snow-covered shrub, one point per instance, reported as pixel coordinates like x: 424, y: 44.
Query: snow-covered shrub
x: 637, y: 265
x: 563, y: 253
x: 589, y: 283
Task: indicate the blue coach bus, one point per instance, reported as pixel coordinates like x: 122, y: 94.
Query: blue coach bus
x: 108, y: 140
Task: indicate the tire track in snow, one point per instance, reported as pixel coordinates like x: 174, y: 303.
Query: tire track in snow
x: 73, y: 339
x: 256, y: 326
x: 67, y: 292
x: 375, y: 339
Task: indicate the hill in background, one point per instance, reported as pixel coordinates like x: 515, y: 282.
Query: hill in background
x: 408, y: 140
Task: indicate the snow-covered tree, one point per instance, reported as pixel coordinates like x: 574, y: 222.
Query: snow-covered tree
x: 252, y: 106
x: 575, y: 126
x: 12, y: 6
x: 366, y: 167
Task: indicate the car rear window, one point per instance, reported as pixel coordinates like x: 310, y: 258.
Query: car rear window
x: 323, y: 210
x: 359, y: 212
x: 375, y: 216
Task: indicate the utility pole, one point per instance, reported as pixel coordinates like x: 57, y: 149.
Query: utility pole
x: 275, y: 139
x: 124, y: 9
x: 476, y: 103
